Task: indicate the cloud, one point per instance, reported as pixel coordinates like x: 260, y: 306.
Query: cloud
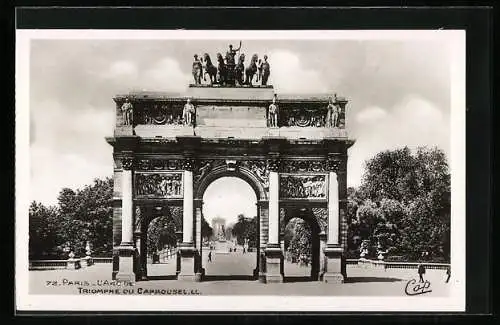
x: 121, y: 69
x: 68, y: 147
x: 53, y: 171
x: 289, y: 76
x: 166, y: 74
x: 398, y: 94
x: 413, y: 122
x: 370, y: 115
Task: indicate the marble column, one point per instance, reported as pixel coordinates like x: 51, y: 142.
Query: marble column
x: 187, y: 248
x: 263, y: 211
x: 273, y: 208
x: 187, y: 208
x: 273, y: 248
x: 126, y: 249
x: 198, y: 238
x: 333, y: 250
x: 333, y: 209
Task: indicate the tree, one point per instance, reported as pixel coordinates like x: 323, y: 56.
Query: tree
x: 403, y: 204
x: 43, y: 234
x: 300, y: 243
x: 161, y: 233
x: 246, y: 228
x: 206, y: 231
x: 87, y: 215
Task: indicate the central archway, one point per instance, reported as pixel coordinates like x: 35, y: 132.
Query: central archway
x: 239, y: 197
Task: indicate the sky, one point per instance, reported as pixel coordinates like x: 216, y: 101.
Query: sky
x: 398, y: 92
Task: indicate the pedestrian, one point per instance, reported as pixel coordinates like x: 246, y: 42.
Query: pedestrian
x: 448, y: 272
x: 421, y: 272
x: 210, y: 256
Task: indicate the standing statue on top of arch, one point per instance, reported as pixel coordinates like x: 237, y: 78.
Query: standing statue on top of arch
x: 273, y: 113
x: 333, y: 111
x: 230, y: 54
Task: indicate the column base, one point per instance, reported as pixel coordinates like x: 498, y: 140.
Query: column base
x: 73, y: 264
x: 274, y: 257
x: 333, y: 278
x: 126, y: 264
x: 188, y: 263
x: 333, y: 265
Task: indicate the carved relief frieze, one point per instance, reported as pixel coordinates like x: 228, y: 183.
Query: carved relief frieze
x: 321, y: 216
x: 303, y: 187
x: 259, y: 168
x: 138, y: 219
x: 294, y: 166
x: 165, y: 185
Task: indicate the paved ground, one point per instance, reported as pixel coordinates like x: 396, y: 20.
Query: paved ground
x: 229, y: 273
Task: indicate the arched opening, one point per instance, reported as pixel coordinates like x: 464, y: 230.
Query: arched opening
x: 159, y: 244
x: 301, y: 246
x: 230, y: 209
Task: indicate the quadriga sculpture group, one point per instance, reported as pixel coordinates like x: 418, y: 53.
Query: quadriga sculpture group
x: 229, y: 73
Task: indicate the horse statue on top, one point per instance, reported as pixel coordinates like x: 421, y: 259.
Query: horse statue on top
x: 251, y: 70
x: 221, y: 70
x: 209, y: 69
x: 239, y: 69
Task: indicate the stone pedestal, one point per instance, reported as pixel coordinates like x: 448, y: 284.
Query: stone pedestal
x: 87, y: 261
x: 262, y: 267
x: 333, y: 265
x: 73, y: 264
x: 188, y: 263
x: 274, y: 257
x: 126, y: 263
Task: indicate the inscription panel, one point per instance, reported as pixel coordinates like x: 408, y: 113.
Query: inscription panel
x: 158, y: 185
x: 231, y: 116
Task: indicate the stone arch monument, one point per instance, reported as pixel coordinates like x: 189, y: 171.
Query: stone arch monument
x: 295, y: 166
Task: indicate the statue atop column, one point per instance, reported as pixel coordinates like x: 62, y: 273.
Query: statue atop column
x: 197, y: 70
x: 127, y: 112
x: 273, y: 113
x: 231, y: 54
x: 187, y: 113
x: 333, y: 111
x: 266, y: 71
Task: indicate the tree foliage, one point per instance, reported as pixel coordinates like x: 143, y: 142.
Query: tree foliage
x: 161, y: 233
x: 80, y: 216
x: 403, y: 204
x: 206, y: 231
x: 298, y: 239
x: 246, y: 228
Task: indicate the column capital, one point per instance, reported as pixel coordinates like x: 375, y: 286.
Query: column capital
x: 332, y: 164
x: 128, y: 162
x: 274, y: 164
x: 188, y: 164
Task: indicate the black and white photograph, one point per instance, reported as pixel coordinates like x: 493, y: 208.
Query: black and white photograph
x: 173, y: 170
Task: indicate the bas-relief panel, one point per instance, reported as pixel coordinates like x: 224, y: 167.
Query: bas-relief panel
x: 156, y: 185
x: 303, y: 186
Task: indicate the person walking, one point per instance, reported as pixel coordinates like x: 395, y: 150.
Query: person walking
x: 421, y: 272
x: 210, y: 256
x: 448, y: 273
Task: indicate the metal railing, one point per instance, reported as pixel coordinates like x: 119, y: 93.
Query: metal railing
x: 103, y: 260
x: 47, y: 264
x: 398, y: 265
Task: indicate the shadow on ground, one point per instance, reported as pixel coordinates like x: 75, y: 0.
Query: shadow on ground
x: 162, y: 277
x: 370, y: 279
x: 291, y: 279
x: 229, y: 278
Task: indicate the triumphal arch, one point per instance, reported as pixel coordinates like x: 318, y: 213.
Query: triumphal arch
x: 291, y: 149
